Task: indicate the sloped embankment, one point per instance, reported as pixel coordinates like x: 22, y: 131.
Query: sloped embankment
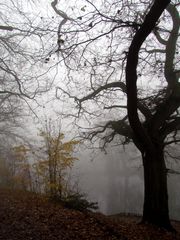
x: 27, y: 216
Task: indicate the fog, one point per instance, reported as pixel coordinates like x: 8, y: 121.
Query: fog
x: 115, y: 181
x: 113, y: 178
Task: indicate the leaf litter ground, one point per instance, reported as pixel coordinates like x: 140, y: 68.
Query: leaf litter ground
x: 28, y: 216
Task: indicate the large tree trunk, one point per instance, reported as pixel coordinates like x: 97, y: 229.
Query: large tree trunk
x: 155, y: 190
x: 155, y: 174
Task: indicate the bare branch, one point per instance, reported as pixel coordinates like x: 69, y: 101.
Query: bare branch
x: 116, y: 106
x: 155, y: 51
x: 172, y: 142
x: 159, y: 38
x: 171, y: 47
x: 65, y: 19
x: 119, y: 85
x: 131, y: 73
x: 7, y: 28
x: 171, y: 171
x: 170, y: 127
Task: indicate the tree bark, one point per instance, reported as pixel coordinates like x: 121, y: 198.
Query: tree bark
x: 155, y: 174
x: 155, y: 209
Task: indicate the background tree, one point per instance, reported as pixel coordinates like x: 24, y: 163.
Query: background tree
x: 95, y: 50
x: 58, y: 159
x: 22, y: 175
x: 23, y: 68
x: 15, y: 169
x: 6, y: 170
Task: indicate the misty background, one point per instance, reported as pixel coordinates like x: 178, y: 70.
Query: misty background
x: 115, y: 180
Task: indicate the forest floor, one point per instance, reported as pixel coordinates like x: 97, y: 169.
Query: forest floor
x: 27, y: 216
